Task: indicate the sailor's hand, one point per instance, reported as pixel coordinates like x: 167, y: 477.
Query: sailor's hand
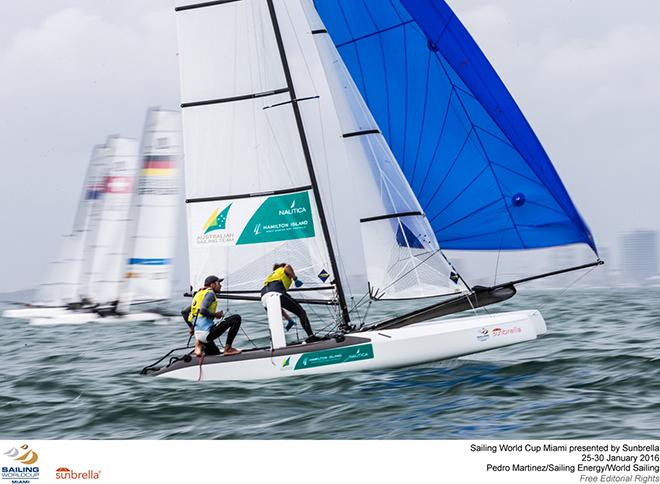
x: 219, y: 314
x: 191, y: 331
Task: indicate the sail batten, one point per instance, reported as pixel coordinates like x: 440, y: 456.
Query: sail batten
x: 443, y: 111
x: 235, y: 98
x: 250, y: 195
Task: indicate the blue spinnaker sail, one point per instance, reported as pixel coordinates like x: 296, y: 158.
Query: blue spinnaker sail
x: 474, y: 163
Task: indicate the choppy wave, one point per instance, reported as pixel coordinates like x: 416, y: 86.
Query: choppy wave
x: 595, y: 375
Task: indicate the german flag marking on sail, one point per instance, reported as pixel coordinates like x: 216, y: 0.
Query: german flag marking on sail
x: 158, y: 165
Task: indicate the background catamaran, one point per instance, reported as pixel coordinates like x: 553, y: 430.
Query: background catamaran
x: 285, y: 162
x: 64, y: 284
x: 121, y: 212
x: 135, y: 240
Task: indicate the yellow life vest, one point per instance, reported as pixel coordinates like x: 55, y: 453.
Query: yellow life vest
x: 279, y: 275
x: 197, y: 303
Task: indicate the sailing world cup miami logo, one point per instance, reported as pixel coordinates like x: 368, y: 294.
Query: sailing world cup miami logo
x: 24, y: 470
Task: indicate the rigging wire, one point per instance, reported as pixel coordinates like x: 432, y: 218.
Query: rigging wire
x: 578, y: 279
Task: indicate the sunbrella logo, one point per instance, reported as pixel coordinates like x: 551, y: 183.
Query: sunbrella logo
x: 25, y: 455
x: 506, y: 331
x: 66, y: 473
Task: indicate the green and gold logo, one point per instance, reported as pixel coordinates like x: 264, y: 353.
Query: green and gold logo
x: 217, y: 220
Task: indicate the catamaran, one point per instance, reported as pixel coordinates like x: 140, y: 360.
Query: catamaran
x: 131, y: 260
x: 353, y: 140
x: 63, y: 285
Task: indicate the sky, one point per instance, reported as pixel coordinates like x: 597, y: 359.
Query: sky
x: 584, y: 72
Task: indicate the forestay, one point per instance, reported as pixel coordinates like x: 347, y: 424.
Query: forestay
x: 66, y: 273
x: 477, y: 168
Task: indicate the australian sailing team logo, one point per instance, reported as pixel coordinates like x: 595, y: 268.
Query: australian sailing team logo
x: 255, y: 220
x: 214, y: 230
x: 24, y: 470
x: 217, y: 220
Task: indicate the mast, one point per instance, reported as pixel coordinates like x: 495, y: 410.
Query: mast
x: 308, y: 160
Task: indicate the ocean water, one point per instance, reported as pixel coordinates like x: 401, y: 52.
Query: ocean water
x: 595, y: 375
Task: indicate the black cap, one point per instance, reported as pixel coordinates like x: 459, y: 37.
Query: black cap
x: 211, y: 279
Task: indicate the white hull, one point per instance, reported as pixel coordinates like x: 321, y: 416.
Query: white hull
x: 29, y: 313
x: 72, y: 318
x: 371, y: 350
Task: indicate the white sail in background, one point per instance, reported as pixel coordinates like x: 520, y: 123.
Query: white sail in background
x: 64, y: 282
x: 249, y: 192
x: 109, y: 249
x: 152, y: 238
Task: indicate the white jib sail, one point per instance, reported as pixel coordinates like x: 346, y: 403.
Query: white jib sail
x: 109, y: 251
x: 250, y: 199
x: 363, y: 188
x: 63, y: 283
x: 152, y: 235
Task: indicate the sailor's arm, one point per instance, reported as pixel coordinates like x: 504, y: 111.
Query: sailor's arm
x: 185, y: 314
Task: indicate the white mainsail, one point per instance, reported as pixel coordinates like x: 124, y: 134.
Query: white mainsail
x: 288, y: 120
x: 152, y: 238
x: 109, y: 248
x: 249, y: 191
x: 64, y: 281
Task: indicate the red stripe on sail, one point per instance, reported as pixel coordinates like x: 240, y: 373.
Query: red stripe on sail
x: 158, y: 164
